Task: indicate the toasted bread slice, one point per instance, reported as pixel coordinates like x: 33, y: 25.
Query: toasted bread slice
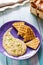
x: 26, y: 32
x: 23, y: 30
x: 32, y: 0
x: 33, y: 10
x: 40, y: 14
x: 37, y: 8
x: 34, y: 43
x: 36, y: 12
x: 17, y: 25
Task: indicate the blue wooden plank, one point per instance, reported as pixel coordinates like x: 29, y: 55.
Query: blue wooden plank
x: 9, y: 61
x: 17, y: 62
x: 1, y: 19
x: 34, y: 60
x: 2, y: 59
x: 24, y: 62
x: 40, y: 22
x: 40, y: 53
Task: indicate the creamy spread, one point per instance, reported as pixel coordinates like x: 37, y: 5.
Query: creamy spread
x: 13, y: 46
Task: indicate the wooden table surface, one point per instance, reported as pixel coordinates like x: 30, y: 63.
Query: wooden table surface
x: 22, y: 13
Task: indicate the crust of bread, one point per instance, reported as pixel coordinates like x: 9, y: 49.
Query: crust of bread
x: 41, y: 0
x: 36, y: 12
x: 33, y: 10
x: 40, y: 14
x: 32, y: 0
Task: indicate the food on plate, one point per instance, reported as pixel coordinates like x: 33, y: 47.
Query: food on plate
x: 37, y: 8
x: 32, y: 0
x: 13, y: 46
x: 24, y: 31
x: 33, y: 43
x: 17, y: 25
x: 17, y: 47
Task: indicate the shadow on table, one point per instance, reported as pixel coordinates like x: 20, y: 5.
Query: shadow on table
x: 40, y: 53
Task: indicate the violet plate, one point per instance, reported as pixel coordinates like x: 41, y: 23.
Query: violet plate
x: 30, y: 52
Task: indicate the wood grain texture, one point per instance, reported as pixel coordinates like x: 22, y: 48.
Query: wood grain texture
x: 2, y: 57
x: 34, y: 60
x: 40, y: 53
x: 1, y: 19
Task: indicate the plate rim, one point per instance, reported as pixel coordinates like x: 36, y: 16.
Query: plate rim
x: 30, y: 25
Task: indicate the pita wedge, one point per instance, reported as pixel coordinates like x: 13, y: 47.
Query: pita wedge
x: 34, y: 43
x: 13, y: 46
x: 17, y: 25
x: 26, y: 32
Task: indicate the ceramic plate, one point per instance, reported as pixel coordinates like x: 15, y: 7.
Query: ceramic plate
x: 29, y: 52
